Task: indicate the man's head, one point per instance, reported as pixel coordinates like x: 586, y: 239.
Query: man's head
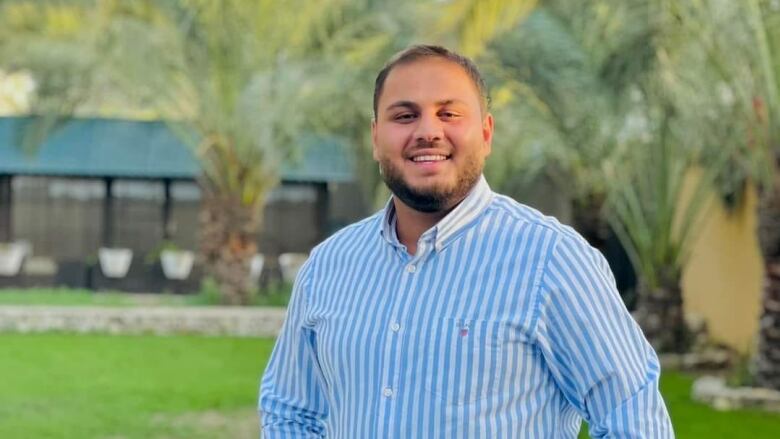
x: 431, y: 131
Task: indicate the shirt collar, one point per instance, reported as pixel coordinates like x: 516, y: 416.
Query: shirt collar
x: 447, y: 229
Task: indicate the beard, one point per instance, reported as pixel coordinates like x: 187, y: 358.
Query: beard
x: 435, y: 198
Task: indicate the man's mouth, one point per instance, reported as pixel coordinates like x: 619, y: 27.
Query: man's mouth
x: 429, y: 158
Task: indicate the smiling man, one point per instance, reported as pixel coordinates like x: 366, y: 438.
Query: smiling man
x: 455, y: 312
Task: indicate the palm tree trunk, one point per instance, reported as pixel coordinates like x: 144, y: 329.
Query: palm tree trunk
x: 767, y: 362
x: 228, y: 234
x: 588, y: 219
x: 659, y: 312
x: 767, y: 366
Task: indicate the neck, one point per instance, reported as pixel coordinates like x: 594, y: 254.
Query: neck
x: 411, y: 224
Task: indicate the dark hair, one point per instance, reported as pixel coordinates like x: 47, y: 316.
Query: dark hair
x: 418, y: 52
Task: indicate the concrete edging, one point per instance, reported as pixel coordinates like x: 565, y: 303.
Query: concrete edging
x: 713, y: 391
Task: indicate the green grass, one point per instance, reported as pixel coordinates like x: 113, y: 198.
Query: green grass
x: 276, y: 295
x: 78, y: 386
x: 75, y: 297
x: 100, y: 386
x: 694, y: 420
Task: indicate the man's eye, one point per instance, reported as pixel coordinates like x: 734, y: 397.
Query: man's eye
x: 448, y: 115
x: 405, y: 117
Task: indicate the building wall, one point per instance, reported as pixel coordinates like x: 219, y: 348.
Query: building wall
x: 723, y: 280
x: 62, y: 218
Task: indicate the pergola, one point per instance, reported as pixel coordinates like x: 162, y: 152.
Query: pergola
x: 111, y: 149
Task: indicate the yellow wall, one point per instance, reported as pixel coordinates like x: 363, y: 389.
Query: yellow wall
x: 723, y: 279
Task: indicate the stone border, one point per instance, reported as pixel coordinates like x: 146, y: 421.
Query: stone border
x: 714, y: 392
x: 711, y: 359
x: 206, y: 320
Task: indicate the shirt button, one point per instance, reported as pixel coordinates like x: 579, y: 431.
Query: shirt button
x: 411, y: 268
x: 395, y: 327
x: 388, y: 392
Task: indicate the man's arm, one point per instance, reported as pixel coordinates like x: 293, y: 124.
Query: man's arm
x: 292, y: 403
x: 597, y: 353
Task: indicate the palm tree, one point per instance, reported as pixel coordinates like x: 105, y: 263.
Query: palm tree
x: 618, y: 96
x: 764, y: 20
x: 553, y: 82
x: 699, y: 81
x: 646, y: 210
x: 230, y: 76
x: 767, y: 362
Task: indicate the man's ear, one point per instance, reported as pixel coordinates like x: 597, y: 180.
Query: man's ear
x: 373, y: 140
x: 487, y: 133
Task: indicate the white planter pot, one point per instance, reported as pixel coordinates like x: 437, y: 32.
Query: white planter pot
x: 256, y: 267
x: 177, y: 264
x: 115, y: 262
x: 11, y: 257
x: 290, y: 263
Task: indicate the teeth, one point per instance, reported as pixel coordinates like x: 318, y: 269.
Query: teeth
x: 429, y: 158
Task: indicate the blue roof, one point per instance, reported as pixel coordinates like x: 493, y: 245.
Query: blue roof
x: 144, y: 150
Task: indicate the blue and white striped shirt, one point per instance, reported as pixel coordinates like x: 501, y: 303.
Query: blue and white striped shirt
x: 505, y: 323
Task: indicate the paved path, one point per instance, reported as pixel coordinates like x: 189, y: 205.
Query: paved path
x: 205, y: 320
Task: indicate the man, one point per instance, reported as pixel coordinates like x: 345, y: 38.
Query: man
x: 455, y: 312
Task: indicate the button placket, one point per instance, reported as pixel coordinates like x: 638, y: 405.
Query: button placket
x: 393, y: 338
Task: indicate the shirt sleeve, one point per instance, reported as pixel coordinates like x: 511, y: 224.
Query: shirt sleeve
x: 596, y: 352
x: 292, y: 403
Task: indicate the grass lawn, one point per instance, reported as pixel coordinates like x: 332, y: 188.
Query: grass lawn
x: 277, y: 295
x: 77, y: 297
x: 126, y: 387
x: 100, y: 386
x: 694, y: 420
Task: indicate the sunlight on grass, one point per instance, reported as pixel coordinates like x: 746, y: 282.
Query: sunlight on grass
x: 98, y: 386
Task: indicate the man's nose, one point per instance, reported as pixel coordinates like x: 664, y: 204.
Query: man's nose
x: 429, y: 129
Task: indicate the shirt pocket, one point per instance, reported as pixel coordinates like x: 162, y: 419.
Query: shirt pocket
x: 463, y: 360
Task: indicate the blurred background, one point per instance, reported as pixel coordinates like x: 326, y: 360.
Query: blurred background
x: 166, y: 166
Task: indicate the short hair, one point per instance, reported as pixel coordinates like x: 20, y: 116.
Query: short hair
x: 423, y: 51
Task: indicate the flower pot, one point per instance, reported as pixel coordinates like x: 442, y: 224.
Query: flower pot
x: 290, y: 263
x: 11, y: 257
x: 115, y: 262
x: 256, y: 267
x: 177, y: 264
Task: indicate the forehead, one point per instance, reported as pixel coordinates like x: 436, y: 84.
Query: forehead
x: 434, y: 79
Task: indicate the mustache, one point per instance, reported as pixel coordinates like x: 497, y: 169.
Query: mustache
x: 426, y: 144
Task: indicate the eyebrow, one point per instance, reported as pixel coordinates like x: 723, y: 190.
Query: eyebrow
x: 402, y: 104
x: 414, y: 106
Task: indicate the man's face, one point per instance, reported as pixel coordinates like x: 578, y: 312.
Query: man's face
x: 430, y: 136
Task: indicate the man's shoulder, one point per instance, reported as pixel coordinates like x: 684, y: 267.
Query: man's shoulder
x: 522, y: 215
x: 563, y: 237
x: 527, y: 217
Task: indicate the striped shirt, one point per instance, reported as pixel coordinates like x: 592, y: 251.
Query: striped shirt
x: 504, y: 323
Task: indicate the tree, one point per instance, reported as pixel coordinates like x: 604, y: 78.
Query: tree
x: 691, y: 89
x: 764, y: 21
x: 230, y: 76
x: 554, y: 81
x: 618, y: 96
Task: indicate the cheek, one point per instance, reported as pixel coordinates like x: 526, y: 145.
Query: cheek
x: 392, y: 139
x: 467, y: 140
